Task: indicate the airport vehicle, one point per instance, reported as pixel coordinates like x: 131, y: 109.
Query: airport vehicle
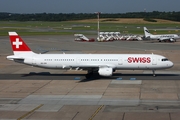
x: 161, y: 37
x: 83, y: 38
x: 104, y: 64
x: 104, y: 37
x: 108, y: 36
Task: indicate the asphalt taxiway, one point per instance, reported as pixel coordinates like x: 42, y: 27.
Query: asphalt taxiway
x: 34, y: 93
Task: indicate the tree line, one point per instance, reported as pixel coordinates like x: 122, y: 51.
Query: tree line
x: 174, y: 16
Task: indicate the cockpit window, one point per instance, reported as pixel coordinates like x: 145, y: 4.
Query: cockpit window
x: 164, y: 59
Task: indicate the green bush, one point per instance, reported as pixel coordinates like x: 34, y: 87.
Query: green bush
x: 149, y: 20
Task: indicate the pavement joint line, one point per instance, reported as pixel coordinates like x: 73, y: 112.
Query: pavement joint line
x: 177, y: 88
x: 96, y: 112
x: 11, y: 85
x: 170, y: 116
x: 106, y: 88
x: 140, y: 90
x: 75, y: 115
x: 72, y: 89
x: 123, y: 116
x: 41, y: 87
x: 28, y: 113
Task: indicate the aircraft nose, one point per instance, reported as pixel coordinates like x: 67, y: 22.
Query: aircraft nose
x: 171, y: 64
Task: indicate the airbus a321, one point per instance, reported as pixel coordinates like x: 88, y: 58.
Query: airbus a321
x: 161, y: 37
x: 104, y: 64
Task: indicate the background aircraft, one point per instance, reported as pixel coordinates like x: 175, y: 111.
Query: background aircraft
x: 104, y: 64
x: 83, y: 38
x: 161, y: 37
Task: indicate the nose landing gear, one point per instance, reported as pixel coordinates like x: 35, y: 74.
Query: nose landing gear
x: 153, y: 73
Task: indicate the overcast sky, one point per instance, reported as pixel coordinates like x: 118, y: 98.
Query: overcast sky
x: 87, y: 6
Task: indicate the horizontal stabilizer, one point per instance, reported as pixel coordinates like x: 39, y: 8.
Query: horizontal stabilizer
x: 13, y: 57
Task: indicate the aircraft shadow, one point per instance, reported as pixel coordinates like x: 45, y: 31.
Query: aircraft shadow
x: 82, y: 78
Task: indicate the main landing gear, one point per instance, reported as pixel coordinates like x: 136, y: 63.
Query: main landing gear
x: 92, y: 74
x: 89, y: 74
x: 153, y: 73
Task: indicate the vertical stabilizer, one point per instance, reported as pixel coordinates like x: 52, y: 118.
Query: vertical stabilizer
x: 18, y: 45
x: 146, y: 32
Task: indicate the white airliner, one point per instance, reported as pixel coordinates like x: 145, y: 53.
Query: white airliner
x: 161, y: 37
x: 104, y: 64
x: 83, y: 38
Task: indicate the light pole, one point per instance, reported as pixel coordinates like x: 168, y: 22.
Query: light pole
x: 98, y: 24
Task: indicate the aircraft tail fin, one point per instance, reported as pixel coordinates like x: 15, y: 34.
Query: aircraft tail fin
x: 18, y: 45
x: 146, y: 32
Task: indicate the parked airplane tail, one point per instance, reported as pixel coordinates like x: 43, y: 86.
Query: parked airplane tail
x: 18, y: 45
x: 146, y: 32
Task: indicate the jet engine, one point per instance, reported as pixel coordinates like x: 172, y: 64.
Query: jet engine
x: 105, y: 71
x: 172, y: 40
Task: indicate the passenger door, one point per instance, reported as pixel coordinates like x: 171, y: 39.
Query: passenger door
x: 154, y: 60
x: 120, y: 61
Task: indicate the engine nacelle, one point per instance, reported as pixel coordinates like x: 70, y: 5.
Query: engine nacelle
x: 172, y: 40
x: 105, y: 71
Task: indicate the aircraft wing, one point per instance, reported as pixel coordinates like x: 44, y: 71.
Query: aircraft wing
x: 165, y: 39
x: 95, y: 67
